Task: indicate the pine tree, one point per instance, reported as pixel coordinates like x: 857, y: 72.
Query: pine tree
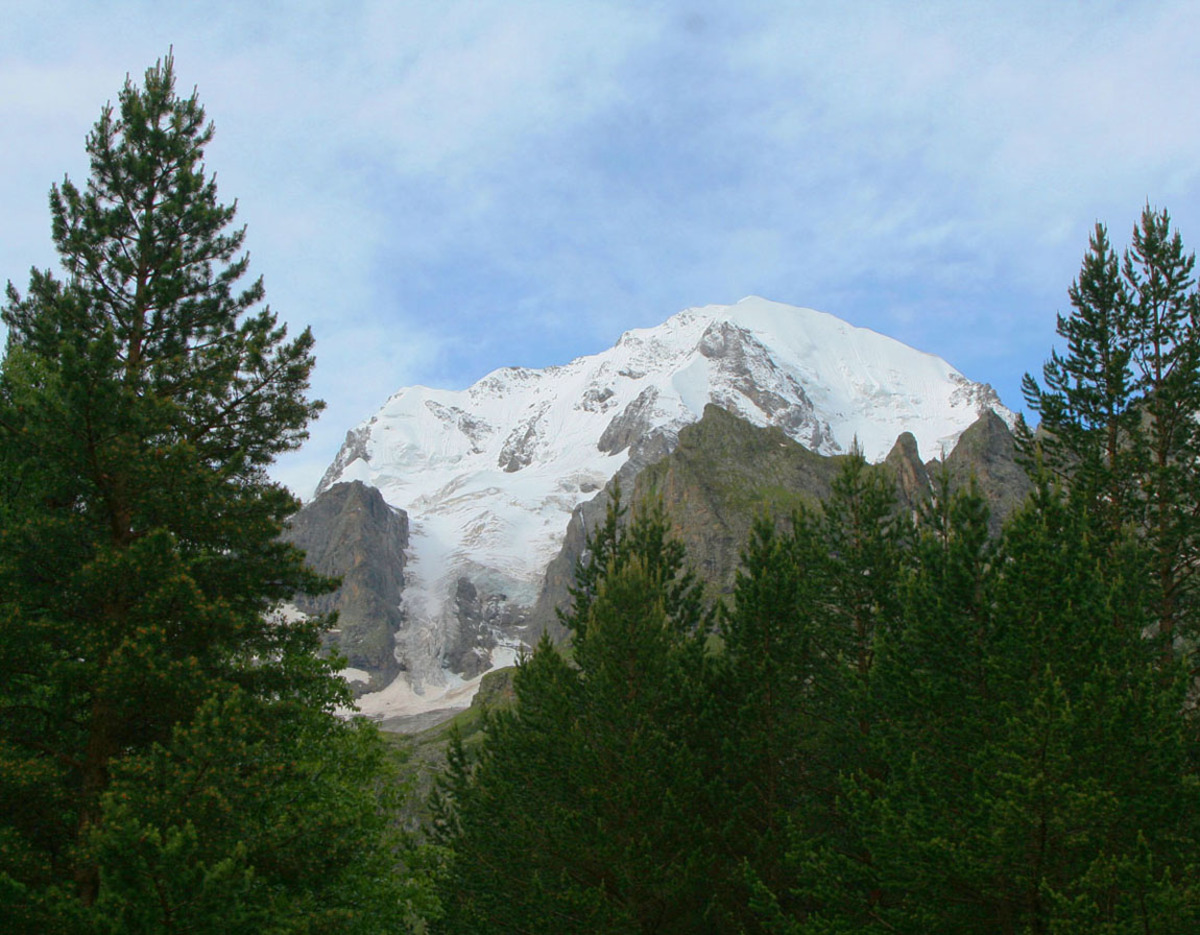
x: 142, y: 396
x: 928, y: 703
x: 1166, y: 366
x: 864, y: 532
x: 598, y: 777
x: 776, y: 656
x: 1087, y: 408
x: 809, y: 608
x: 1118, y: 411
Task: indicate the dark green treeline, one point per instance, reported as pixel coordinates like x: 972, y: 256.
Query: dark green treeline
x: 897, y: 723
x: 904, y: 727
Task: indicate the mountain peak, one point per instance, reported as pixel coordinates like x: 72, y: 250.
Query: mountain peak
x: 489, y: 475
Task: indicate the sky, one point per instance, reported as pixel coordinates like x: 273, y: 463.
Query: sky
x: 442, y: 187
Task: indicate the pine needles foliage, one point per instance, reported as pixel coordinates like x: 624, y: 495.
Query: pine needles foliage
x: 170, y: 754
x: 907, y: 723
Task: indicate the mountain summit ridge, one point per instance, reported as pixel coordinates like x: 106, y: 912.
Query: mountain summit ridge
x: 490, y: 475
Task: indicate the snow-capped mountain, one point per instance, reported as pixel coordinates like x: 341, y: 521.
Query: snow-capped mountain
x: 489, y: 475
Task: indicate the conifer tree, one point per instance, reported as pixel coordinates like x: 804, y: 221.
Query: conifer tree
x: 146, y: 683
x: 1080, y: 839
x: 1087, y: 407
x: 863, y: 532
x: 809, y: 607
x: 926, y: 702
x: 1031, y: 763
x: 597, y: 777
x: 1118, y: 411
x: 776, y: 653
x: 1166, y: 366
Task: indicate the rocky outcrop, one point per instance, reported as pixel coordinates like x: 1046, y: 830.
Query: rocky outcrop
x: 720, y: 475
x: 354, y: 448
x: 634, y: 422
x: 747, y: 370
x: 912, y: 478
x: 481, y: 615
x: 724, y: 472
x: 349, y: 532
x: 987, y: 452
x: 522, y: 441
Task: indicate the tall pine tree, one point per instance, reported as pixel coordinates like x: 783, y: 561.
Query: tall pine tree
x: 1118, y: 411
x: 809, y: 608
x: 588, y: 806
x: 145, y: 678
x: 1087, y: 407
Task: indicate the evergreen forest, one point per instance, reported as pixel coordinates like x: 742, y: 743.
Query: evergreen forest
x: 898, y: 721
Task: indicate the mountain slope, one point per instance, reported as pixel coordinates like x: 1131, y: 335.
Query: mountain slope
x: 350, y: 533
x: 725, y: 472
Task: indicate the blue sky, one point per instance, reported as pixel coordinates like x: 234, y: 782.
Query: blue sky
x: 442, y: 188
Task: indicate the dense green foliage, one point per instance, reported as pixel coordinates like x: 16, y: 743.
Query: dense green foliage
x: 905, y: 725
x: 170, y: 757
x: 586, y: 811
x: 1118, y: 412
x: 906, y: 729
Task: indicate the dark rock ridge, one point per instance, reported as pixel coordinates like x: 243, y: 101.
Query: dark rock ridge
x: 349, y: 532
x: 987, y: 451
x: 724, y: 472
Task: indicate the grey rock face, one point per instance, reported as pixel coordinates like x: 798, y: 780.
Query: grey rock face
x: 912, y: 478
x: 987, y: 452
x: 480, y: 615
x: 981, y: 396
x: 597, y: 399
x: 711, y: 478
x: 723, y: 471
x: 519, y: 446
x: 632, y: 424
x: 751, y: 372
x: 349, y: 532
